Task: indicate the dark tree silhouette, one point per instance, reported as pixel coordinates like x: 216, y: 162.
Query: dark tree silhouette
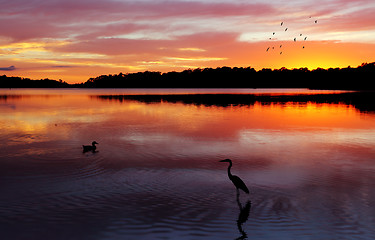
x: 17, y: 82
x: 221, y: 77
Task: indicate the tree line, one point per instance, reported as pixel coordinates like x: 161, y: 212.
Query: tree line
x: 222, y: 77
x: 18, y: 82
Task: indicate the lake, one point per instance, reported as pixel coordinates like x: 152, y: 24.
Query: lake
x: 307, y: 157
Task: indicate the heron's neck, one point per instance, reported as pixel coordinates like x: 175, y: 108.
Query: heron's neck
x: 229, y: 174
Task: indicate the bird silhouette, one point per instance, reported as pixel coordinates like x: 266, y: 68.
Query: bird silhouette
x: 295, y: 39
x: 238, y: 183
x: 281, y: 23
x: 316, y: 21
x: 305, y: 39
x: 268, y: 49
x: 87, y: 148
x: 286, y: 29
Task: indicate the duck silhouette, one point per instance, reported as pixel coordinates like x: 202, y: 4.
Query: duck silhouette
x: 87, y: 148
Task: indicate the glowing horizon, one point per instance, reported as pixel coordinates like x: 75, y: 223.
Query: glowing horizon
x: 76, y: 40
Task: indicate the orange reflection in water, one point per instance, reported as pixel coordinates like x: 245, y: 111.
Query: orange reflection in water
x: 227, y: 121
x: 36, y: 113
x: 82, y: 118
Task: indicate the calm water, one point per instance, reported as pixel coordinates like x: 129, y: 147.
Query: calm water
x: 309, y: 165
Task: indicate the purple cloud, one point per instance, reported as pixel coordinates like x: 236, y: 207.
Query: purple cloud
x: 11, y: 68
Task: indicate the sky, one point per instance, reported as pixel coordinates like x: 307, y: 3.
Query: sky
x: 74, y: 40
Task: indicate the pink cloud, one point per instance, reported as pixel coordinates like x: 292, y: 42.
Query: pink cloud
x: 123, y: 46
x: 354, y: 21
x: 23, y: 20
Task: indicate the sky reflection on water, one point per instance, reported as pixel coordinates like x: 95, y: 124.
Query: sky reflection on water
x: 309, y: 167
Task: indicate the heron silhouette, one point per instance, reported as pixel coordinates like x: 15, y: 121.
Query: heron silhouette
x: 92, y: 147
x: 238, y: 183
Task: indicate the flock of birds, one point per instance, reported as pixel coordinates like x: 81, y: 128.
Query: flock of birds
x: 294, y: 39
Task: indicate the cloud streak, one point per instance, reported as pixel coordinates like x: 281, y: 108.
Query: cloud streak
x: 11, y: 68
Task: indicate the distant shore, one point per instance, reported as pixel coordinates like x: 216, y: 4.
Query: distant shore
x: 362, y: 101
x: 358, y: 78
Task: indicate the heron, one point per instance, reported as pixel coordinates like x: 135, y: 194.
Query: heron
x: 91, y: 147
x: 238, y: 183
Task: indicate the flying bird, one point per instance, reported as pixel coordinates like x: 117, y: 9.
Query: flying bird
x: 286, y: 29
x: 281, y: 23
x: 92, y: 147
x: 273, y: 33
x: 305, y: 39
x: 238, y: 183
x: 281, y: 53
x: 281, y: 45
x: 316, y: 21
x: 295, y: 39
x: 268, y: 49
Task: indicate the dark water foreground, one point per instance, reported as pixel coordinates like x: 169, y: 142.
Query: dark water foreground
x: 309, y: 166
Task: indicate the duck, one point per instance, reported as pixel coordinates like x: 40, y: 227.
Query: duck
x: 92, y: 147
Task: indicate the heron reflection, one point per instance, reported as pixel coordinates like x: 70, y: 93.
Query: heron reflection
x: 242, y: 217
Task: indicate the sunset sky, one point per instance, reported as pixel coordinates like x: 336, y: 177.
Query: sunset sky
x: 74, y: 40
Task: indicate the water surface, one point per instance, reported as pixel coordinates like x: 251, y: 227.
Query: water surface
x: 309, y: 164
